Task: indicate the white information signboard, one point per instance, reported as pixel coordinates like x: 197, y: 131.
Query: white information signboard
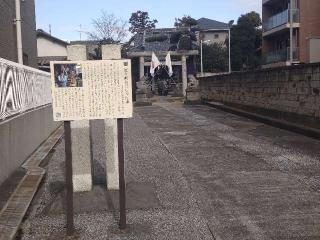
x: 91, y: 90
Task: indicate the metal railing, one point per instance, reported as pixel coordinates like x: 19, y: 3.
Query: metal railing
x: 281, y: 55
x: 22, y: 89
x: 280, y: 19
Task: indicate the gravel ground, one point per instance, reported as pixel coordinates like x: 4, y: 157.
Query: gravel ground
x: 163, y: 209
x: 192, y: 173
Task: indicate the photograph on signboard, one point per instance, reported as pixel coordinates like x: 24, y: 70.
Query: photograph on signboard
x: 68, y: 75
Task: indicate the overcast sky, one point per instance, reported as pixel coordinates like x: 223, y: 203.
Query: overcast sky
x: 65, y: 16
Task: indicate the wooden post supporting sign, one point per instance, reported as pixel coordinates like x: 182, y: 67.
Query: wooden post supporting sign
x: 69, y: 182
x: 122, y: 182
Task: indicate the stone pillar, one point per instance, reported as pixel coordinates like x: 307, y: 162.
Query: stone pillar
x: 141, y: 93
x: 184, y: 74
x: 80, y: 136
x: 77, y: 52
x: 141, y: 61
x: 111, y: 51
x: 111, y: 148
x: 193, y: 94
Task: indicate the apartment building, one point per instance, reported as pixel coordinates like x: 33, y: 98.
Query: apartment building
x: 8, y: 34
x: 290, y: 40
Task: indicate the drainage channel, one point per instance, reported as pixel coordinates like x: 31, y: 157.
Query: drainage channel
x: 16, y: 207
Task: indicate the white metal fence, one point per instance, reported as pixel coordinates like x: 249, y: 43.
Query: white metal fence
x: 22, y: 89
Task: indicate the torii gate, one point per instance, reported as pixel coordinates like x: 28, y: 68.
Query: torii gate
x: 181, y: 53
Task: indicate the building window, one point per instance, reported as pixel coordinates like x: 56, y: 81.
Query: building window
x: 216, y: 36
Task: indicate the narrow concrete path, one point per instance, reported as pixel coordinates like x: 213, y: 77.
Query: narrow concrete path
x: 192, y: 173
x: 251, y: 181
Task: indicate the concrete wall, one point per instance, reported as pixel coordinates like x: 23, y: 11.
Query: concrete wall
x: 294, y: 90
x: 21, y: 136
x: 50, y: 48
x: 25, y: 114
x: 8, y: 42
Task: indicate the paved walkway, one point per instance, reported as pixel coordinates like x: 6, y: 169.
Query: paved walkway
x: 193, y: 173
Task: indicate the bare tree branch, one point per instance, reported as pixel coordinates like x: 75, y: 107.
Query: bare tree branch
x: 108, y: 27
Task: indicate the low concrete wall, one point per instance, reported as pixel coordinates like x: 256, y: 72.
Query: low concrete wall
x: 291, y: 93
x: 21, y: 136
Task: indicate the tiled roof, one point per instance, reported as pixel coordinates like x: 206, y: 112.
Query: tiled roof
x: 85, y: 42
x: 44, y: 34
x: 46, y: 60
x: 137, y: 43
x: 152, y: 46
x: 209, y: 24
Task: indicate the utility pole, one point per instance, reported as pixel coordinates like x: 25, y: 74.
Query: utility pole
x: 229, y: 49
x: 230, y: 23
x: 201, y: 52
x: 291, y: 30
x: 18, y: 29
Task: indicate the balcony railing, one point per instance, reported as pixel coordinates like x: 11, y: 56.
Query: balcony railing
x: 281, y: 55
x: 280, y: 19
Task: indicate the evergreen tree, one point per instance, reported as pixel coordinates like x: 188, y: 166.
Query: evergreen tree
x: 246, y: 39
x: 185, y: 21
x: 140, y: 21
